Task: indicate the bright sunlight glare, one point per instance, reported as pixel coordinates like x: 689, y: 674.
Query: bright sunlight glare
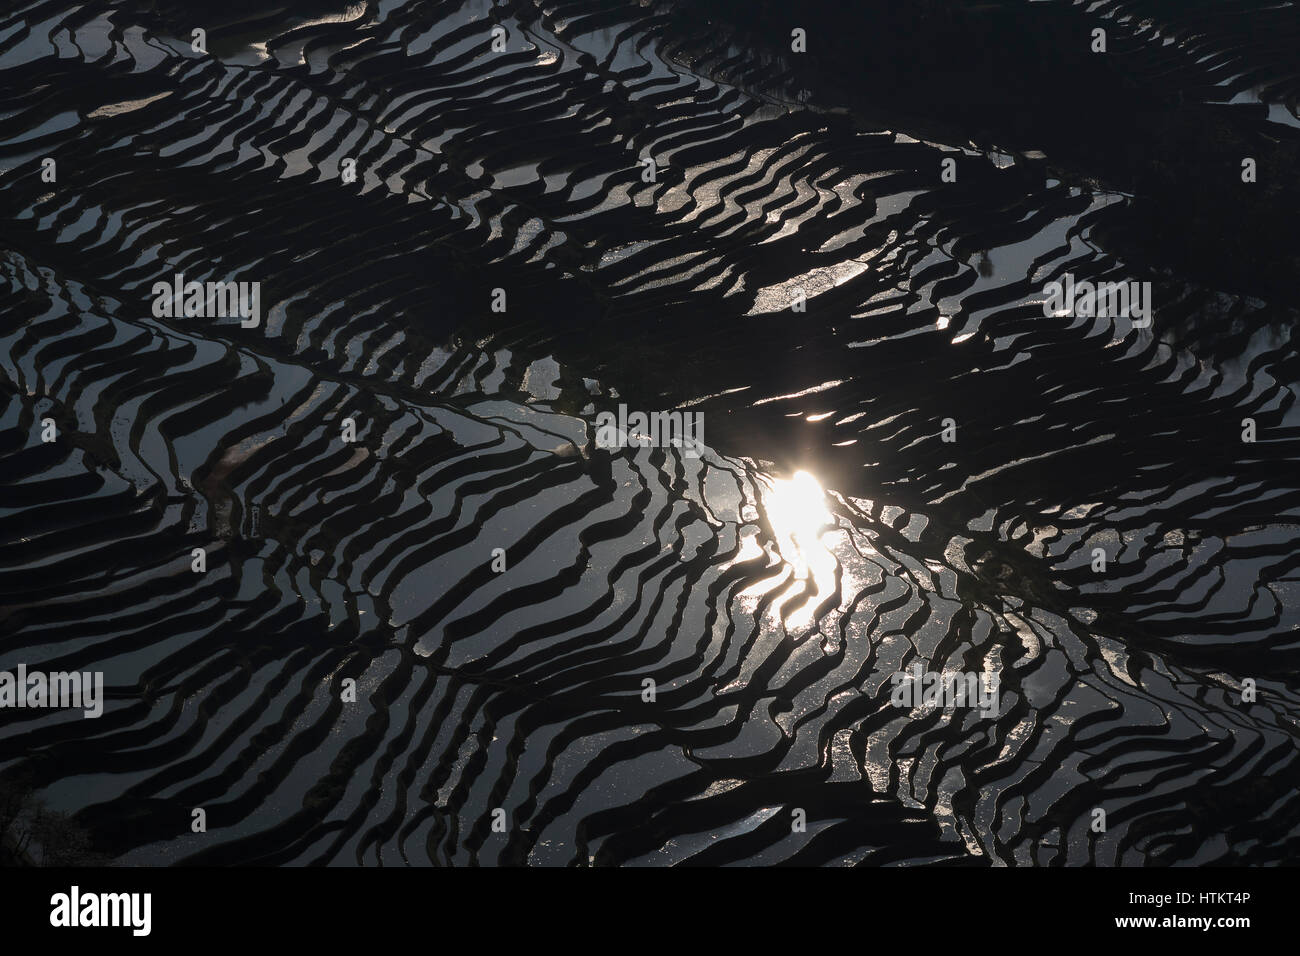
x: 797, y: 510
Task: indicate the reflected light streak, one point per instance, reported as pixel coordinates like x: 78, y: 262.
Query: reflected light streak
x: 798, y: 514
x: 796, y: 509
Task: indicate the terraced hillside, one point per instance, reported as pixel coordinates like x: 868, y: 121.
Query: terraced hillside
x: 679, y: 212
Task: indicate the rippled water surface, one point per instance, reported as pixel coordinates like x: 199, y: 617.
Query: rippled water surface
x: 827, y: 536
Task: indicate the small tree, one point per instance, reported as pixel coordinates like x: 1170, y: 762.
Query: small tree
x: 31, y: 834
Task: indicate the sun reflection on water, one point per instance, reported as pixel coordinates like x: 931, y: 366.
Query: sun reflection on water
x: 797, y: 511
x: 809, y: 541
